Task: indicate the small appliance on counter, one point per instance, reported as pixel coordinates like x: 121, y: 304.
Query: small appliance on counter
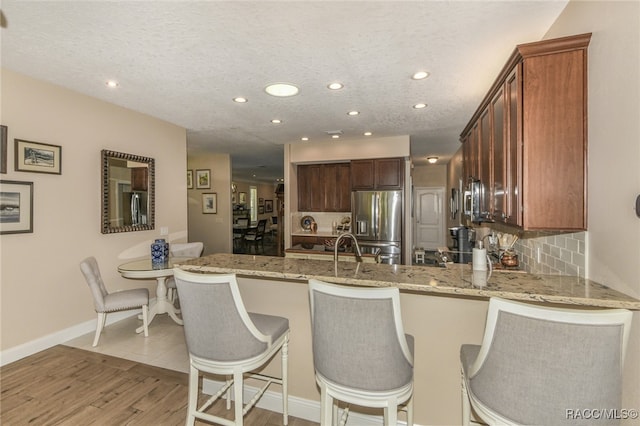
x: 462, y: 244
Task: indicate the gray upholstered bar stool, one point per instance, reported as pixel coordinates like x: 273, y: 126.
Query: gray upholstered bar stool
x: 223, y: 338
x: 360, y: 351
x: 539, y: 365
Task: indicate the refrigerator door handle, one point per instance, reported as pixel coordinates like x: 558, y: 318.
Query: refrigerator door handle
x: 377, y: 244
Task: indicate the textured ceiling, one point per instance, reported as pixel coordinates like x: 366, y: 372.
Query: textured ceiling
x: 184, y: 61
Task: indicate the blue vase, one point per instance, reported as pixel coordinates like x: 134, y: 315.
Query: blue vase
x: 159, y: 251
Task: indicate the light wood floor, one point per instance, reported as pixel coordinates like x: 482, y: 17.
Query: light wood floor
x: 70, y: 386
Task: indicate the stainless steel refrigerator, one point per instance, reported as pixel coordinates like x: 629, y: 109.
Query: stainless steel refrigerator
x: 377, y: 222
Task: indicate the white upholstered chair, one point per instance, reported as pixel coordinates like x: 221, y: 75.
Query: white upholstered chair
x: 105, y: 302
x: 181, y: 250
x: 361, y: 354
x: 536, y: 363
x: 223, y: 338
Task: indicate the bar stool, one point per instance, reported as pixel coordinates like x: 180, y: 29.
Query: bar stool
x: 223, y: 338
x: 360, y: 352
x: 536, y: 364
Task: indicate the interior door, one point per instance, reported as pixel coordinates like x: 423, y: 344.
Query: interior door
x: 429, y: 218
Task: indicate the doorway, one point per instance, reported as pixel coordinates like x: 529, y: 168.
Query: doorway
x: 429, y: 218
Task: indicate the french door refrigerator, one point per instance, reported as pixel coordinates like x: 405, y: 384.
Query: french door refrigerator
x: 377, y: 221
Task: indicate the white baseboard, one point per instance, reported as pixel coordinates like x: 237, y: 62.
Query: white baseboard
x: 298, y: 407
x: 21, y: 351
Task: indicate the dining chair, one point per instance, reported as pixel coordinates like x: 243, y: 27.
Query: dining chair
x: 273, y: 228
x: 105, y: 302
x: 537, y: 363
x: 361, y: 354
x: 238, y: 233
x: 224, y: 339
x: 181, y: 250
x: 257, y: 237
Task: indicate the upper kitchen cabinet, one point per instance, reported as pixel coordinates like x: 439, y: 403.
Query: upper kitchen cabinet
x: 527, y: 141
x: 324, y: 187
x: 381, y: 173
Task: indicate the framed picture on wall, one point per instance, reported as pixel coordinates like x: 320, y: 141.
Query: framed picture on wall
x: 260, y: 201
x: 210, y: 203
x: 17, y: 207
x: 203, y: 179
x: 268, y: 206
x: 189, y: 179
x: 38, y: 157
x: 242, y: 198
x: 260, y: 209
x: 3, y: 149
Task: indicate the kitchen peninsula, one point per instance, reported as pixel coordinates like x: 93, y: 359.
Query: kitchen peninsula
x: 440, y: 307
x: 454, y: 280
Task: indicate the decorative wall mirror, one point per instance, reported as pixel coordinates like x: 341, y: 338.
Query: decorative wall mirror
x: 128, y: 192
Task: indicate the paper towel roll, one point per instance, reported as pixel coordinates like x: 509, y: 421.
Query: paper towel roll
x: 479, y: 259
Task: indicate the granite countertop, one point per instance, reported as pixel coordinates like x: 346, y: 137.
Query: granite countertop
x: 455, y: 280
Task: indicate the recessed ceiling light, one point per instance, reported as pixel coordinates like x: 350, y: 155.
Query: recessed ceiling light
x: 335, y: 136
x: 353, y: 113
x: 420, y: 75
x: 240, y: 100
x: 432, y: 160
x: 368, y: 133
x: 276, y: 121
x: 112, y: 83
x: 335, y: 86
x: 281, y: 90
x: 420, y: 106
x: 304, y: 138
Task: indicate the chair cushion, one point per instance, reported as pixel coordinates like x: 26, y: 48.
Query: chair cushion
x: 468, y: 355
x: 126, y: 299
x: 270, y: 325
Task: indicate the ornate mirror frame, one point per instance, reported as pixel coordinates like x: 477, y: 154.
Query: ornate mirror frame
x: 107, y: 195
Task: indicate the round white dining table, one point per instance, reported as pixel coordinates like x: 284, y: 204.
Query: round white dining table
x: 144, y: 269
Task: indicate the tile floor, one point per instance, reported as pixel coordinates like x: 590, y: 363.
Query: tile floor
x: 165, y: 347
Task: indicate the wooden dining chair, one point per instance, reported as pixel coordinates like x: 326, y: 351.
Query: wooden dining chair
x: 257, y: 237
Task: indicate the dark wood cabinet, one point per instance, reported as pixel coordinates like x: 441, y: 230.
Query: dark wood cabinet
x: 324, y: 187
x: 527, y: 142
x: 381, y: 173
x: 337, y: 192
x: 139, y: 179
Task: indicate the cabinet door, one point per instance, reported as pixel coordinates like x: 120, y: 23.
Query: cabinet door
x: 499, y: 158
x: 513, y: 144
x: 337, y: 188
x: 466, y: 159
x: 554, y: 141
x: 362, y: 172
x: 484, y: 164
x: 388, y: 173
x: 310, y: 188
x: 139, y: 178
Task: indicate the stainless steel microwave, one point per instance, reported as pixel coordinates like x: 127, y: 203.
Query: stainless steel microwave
x: 472, y: 201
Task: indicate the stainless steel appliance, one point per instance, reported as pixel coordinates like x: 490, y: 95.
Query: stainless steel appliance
x: 377, y: 222
x: 461, y: 244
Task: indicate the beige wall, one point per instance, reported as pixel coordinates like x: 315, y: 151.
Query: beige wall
x: 429, y: 175
x: 439, y: 326
x: 214, y: 230
x: 43, y: 291
x: 613, y: 238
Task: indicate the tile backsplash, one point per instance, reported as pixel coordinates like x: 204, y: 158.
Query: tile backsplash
x: 555, y: 254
